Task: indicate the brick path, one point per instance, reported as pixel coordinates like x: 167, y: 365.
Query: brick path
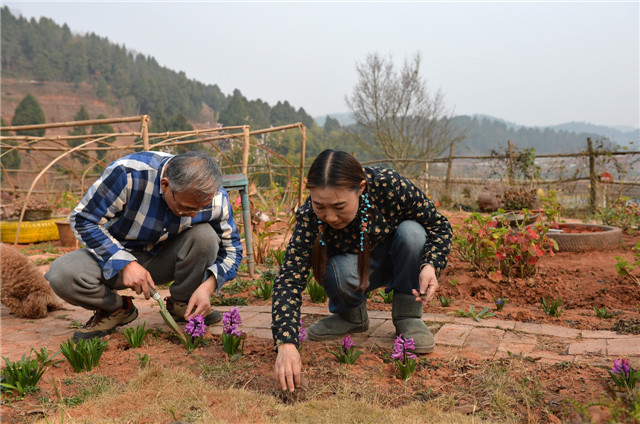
x: 455, y: 336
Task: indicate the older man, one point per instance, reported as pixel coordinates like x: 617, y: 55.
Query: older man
x: 150, y: 218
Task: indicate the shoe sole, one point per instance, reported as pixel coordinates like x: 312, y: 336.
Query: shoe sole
x: 101, y: 333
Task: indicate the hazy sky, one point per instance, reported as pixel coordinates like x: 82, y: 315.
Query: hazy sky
x: 532, y: 63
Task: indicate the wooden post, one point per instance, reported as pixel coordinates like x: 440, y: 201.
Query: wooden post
x: 144, y: 131
x: 511, y: 172
x: 303, y: 132
x: 245, y: 155
x: 593, y: 178
x: 447, y: 186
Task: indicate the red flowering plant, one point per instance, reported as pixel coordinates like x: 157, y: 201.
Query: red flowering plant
x: 623, y: 213
x: 499, y: 250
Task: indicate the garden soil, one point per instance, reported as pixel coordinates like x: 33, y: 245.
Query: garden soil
x: 540, y: 391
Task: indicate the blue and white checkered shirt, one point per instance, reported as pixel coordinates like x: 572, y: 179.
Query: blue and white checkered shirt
x: 124, y: 211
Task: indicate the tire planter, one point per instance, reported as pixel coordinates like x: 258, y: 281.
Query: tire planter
x: 30, y: 231
x: 583, y: 237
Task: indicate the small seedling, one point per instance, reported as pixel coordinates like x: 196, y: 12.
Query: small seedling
x: 446, y: 301
x: 263, y: 290
x: 603, y: 312
x: 316, y: 292
x: 386, y: 297
x: 473, y: 313
x: 144, y: 360
x: 85, y: 354
x: 21, y: 376
x: 453, y: 281
x: 552, y: 307
x: 44, y: 358
x: 500, y: 302
x: 136, y: 336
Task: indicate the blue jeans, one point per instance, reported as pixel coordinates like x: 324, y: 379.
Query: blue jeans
x: 395, y: 264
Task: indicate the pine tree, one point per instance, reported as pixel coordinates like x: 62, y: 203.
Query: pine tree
x: 103, y: 129
x: 29, y: 112
x: 11, y: 159
x: 82, y: 115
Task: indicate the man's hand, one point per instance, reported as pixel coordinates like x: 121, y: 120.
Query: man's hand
x: 199, y: 302
x: 428, y: 285
x: 137, y: 278
x: 288, y: 366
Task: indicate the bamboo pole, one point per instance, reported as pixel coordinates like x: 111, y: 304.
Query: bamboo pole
x: 245, y: 153
x: 447, y: 189
x: 593, y: 178
x: 144, y: 130
x: 73, y: 123
x: 511, y: 172
x: 303, y: 131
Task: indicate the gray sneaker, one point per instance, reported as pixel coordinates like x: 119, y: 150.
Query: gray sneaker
x: 103, y: 323
x: 177, y: 310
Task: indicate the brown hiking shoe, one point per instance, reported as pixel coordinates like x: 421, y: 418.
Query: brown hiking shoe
x: 177, y: 310
x: 103, y: 322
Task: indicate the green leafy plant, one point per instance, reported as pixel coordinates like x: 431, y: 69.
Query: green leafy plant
x: 446, y: 301
x: 144, y: 360
x: 135, y: 336
x: 347, y: 353
x: 552, y: 307
x: 278, y: 254
x: 263, y: 290
x: 22, y: 375
x: 475, y: 314
x: 603, y: 312
x: 315, y: 290
x: 551, y: 207
x: 224, y: 300
x: 85, y: 354
x: 626, y: 268
x: 45, y: 358
x: 623, y: 213
x: 386, y: 297
x: 500, y: 251
x: 453, y: 281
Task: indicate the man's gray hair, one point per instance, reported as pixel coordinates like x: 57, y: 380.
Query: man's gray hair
x: 194, y: 173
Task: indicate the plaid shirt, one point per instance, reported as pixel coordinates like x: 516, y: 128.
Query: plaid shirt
x: 124, y: 211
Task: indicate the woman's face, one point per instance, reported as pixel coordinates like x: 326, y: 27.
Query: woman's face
x: 336, y: 206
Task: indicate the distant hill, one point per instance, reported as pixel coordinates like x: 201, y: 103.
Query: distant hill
x: 485, y: 133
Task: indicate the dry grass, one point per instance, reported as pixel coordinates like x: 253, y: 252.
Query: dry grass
x: 161, y: 395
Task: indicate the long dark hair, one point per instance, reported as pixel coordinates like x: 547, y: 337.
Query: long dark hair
x: 333, y: 168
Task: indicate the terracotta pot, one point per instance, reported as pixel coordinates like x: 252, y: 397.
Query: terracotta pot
x: 66, y: 234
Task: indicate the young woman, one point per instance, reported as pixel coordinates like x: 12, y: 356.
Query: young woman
x: 360, y: 229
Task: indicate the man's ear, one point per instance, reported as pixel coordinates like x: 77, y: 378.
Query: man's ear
x: 164, y: 184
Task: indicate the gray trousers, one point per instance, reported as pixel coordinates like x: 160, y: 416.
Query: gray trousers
x: 77, y: 277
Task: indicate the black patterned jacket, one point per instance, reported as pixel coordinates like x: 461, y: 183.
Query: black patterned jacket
x: 393, y: 199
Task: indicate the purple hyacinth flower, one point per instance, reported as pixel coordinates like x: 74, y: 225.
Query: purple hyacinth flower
x: 402, y: 348
x: 302, y: 334
x: 621, y: 366
x: 231, y: 322
x: 195, y: 326
x: 347, y: 344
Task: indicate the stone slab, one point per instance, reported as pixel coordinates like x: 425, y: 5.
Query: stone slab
x: 589, y: 346
x: 452, y: 335
x: 483, y: 341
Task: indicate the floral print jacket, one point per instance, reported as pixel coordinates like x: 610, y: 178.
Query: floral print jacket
x: 393, y: 199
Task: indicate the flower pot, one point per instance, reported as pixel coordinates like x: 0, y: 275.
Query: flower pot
x: 67, y: 238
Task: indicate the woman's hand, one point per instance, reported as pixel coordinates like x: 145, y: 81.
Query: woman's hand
x: 428, y: 285
x: 288, y: 366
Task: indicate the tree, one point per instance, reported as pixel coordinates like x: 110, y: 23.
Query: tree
x: 29, y: 112
x: 81, y: 115
x: 103, y: 129
x: 395, y: 113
